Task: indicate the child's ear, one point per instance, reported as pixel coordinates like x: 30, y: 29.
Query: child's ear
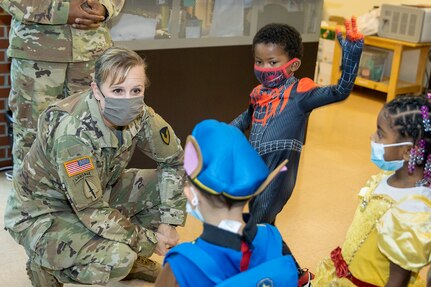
x: 295, y: 66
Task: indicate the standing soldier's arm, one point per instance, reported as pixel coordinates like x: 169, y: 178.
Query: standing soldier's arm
x: 158, y: 141
x: 113, y: 7
x: 106, y: 9
x: 44, y: 12
x: 48, y: 12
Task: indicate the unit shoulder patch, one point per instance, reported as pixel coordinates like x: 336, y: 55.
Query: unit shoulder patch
x: 165, y: 135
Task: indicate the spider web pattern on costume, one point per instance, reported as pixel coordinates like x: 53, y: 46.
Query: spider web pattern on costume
x: 276, y: 145
x: 352, y: 51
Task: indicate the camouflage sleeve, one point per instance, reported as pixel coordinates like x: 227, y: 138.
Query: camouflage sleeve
x: 113, y: 7
x: 80, y: 181
x: 42, y: 11
x: 158, y: 141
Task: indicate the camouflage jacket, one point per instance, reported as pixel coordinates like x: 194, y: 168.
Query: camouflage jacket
x: 40, y: 31
x: 75, y: 161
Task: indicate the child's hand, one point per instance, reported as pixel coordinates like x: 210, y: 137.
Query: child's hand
x: 352, y: 47
x: 352, y: 30
x: 352, y: 33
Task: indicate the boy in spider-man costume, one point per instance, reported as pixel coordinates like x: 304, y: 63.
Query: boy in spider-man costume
x: 280, y: 106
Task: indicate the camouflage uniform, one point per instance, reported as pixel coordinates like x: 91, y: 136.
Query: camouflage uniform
x: 50, y: 60
x: 75, y: 207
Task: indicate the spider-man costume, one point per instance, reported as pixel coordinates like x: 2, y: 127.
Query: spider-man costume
x: 278, y: 117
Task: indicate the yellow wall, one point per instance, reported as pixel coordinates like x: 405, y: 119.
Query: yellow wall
x: 346, y: 8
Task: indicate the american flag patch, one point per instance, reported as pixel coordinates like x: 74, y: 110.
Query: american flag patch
x: 78, y: 166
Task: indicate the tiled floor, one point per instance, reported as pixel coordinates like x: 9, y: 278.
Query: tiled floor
x: 334, y: 166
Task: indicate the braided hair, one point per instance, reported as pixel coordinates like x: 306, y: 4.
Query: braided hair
x: 411, y: 119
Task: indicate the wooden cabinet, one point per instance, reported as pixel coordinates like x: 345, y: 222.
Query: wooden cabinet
x: 391, y: 85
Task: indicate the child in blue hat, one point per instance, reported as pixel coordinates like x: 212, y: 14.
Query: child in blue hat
x: 224, y: 172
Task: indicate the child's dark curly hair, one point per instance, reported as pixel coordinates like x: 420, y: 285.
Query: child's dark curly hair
x: 283, y: 35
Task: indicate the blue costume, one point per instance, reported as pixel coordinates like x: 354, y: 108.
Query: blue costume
x: 226, y: 170
x: 277, y: 117
x: 223, y: 249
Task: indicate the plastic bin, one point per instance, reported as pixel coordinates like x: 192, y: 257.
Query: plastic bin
x: 372, y: 64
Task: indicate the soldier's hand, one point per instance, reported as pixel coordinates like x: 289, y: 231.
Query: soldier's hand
x: 170, y: 232
x: 81, y: 19
x: 95, y: 8
x: 162, y: 246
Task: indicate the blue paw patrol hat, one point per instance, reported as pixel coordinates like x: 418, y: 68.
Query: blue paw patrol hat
x: 219, y: 159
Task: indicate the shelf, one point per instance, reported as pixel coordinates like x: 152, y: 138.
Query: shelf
x: 378, y: 86
x: 383, y: 86
x: 140, y: 22
x: 151, y: 44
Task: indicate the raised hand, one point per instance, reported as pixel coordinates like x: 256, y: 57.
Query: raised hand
x: 352, y: 33
x: 352, y: 47
x: 82, y: 16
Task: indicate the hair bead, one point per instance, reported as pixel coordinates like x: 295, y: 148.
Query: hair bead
x: 416, y: 155
x: 425, y: 118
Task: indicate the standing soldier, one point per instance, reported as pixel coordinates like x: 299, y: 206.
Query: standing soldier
x: 53, y: 45
x: 81, y: 216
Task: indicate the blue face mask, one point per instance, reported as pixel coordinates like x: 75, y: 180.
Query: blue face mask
x: 195, y: 202
x: 378, y: 154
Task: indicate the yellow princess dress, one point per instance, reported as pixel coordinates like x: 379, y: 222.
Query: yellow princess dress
x: 390, y: 225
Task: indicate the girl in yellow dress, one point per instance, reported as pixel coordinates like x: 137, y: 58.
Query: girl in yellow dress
x: 389, y: 240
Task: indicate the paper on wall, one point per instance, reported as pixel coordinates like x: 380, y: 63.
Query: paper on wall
x: 228, y: 18
x: 132, y: 27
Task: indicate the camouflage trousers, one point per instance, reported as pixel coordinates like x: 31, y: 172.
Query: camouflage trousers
x: 34, y: 86
x: 71, y: 252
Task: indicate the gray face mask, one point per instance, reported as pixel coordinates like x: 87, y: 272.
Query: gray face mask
x: 122, y: 111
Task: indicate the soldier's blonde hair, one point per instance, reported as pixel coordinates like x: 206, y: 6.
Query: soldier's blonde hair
x: 116, y: 63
